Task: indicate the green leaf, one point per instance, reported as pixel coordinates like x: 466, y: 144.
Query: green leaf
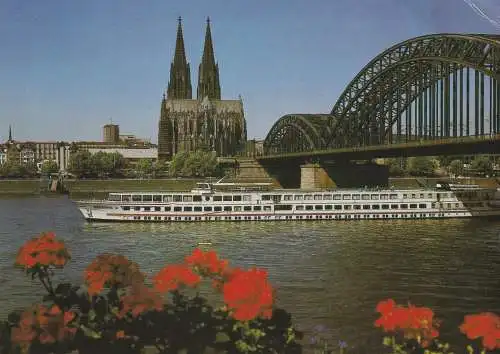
x: 90, y: 332
x: 222, y: 337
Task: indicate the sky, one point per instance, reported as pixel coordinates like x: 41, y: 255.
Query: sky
x: 69, y: 67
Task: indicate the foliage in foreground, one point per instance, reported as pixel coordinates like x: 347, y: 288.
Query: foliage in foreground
x: 120, y: 310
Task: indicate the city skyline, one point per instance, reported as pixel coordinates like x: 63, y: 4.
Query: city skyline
x: 68, y: 68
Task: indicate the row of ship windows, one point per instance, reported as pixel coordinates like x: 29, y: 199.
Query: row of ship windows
x: 287, y: 217
x: 276, y: 197
x: 283, y: 207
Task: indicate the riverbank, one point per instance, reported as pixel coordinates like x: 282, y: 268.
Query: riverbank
x: 98, y: 188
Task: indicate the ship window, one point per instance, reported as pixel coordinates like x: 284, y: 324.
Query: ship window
x: 384, y: 196
x: 309, y: 207
x: 217, y: 198
x: 218, y: 208
x: 247, y: 208
x: 177, y: 198
x: 136, y: 198
x: 365, y: 196
x: 209, y: 208
x: 394, y: 206
x: 308, y: 197
x: 385, y: 206
x: 337, y: 197
x: 156, y: 198
x: 374, y: 196
x: 247, y: 198
x: 366, y: 206
x: 188, y: 208
x: 413, y: 196
x: 357, y: 206
x: 167, y: 198
x: 257, y: 208
x: 393, y: 196
x: 457, y: 205
x: 137, y: 208
x: 346, y: 196
x: 299, y: 207
x: 318, y: 197
x: 177, y: 208
x: 196, y: 198
x: 422, y: 206
x: 227, y: 198
x: 405, y: 196
x: 337, y: 207
x: 266, y: 197
x: 147, y: 198
x: 318, y: 207
x: 413, y: 206
x: 347, y: 207
x: 287, y: 197
x: 327, y: 197
x: 126, y: 208
x: 228, y: 208
x: 157, y: 208
x: 187, y: 199
x: 328, y: 207
x: 168, y: 208
x: 283, y: 207
x: 356, y: 196
x: 267, y: 208
x: 197, y: 208
x: 421, y: 195
x: 376, y: 206
x: 298, y: 197
x: 404, y: 206
x: 237, y: 198
x: 114, y: 197
x: 147, y: 208
x: 126, y: 198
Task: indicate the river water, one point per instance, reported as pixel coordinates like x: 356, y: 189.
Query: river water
x: 326, y: 273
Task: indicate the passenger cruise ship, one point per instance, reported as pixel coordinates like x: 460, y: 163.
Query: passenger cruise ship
x: 208, y: 202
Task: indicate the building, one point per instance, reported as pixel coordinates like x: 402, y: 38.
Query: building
x: 111, y: 133
x: 207, y: 122
x: 132, y: 140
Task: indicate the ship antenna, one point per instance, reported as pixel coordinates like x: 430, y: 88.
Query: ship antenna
x: 220, y: 180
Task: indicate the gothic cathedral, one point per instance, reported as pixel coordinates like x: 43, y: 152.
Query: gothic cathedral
x: 208, y: 123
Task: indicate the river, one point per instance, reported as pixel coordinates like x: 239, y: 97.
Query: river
x: 326, y: 273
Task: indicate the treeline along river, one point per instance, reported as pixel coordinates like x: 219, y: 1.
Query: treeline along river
x: 326, y: 273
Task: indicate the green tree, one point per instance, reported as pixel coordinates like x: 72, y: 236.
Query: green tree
x: 422, y: 166
x: 482, y: 165
x: 144, y: 167
x: 177, y: 164
x: 456, y: 167
x: 80, y: 164
x: 395, y: 167
x: 195, y: 164
x: 49, y: 167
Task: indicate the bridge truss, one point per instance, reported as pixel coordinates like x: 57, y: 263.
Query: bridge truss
x: 426, y: 88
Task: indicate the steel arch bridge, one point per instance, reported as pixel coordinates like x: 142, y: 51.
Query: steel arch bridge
x: 431, y: 87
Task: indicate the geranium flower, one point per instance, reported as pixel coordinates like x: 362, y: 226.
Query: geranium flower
x: 248, y: 294
x: 206, y: 262
x: 140, y: 299
x: 170, y: 277
x: 486, y: 325
x: 44, y: 250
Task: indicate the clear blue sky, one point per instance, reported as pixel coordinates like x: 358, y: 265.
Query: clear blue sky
x: 67, y: 67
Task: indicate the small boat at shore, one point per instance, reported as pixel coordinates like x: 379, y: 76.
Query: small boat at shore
x: 258, y: 202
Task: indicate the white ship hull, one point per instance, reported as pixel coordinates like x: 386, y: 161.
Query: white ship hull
x: 206, y: 205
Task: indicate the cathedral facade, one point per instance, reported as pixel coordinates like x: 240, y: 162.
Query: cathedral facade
x: 207, y: 122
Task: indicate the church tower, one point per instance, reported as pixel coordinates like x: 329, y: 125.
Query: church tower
x: 208, y: 73
x: 179, y: 85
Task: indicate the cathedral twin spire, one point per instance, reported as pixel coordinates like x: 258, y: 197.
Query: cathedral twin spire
x: 179, y: 85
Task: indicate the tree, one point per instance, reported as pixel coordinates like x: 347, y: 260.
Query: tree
x: 395, y: 167
x: 456, y: 167
x: 482, y: 165
x: 195, y: 164
x: 177, y: 164
x: 144, y: 167
x: 49, y: 167
x: 80, y: 164
x: 422, y: 166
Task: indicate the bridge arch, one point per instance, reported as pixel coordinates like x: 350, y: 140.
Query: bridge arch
x: 373, y: 102
x: 299, y: 132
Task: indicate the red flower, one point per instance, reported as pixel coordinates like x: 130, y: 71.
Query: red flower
x: 206, y: 262
x: 414, y: 322
x: 44, y: 250
x: 111, y: 270
x: 120, y: 334
x: 170, y: 277
x: 248, y: 294
x: 486, y: 325
x: 140, y: 299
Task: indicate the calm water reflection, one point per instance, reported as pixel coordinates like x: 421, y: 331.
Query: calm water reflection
x: 329, y: 273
